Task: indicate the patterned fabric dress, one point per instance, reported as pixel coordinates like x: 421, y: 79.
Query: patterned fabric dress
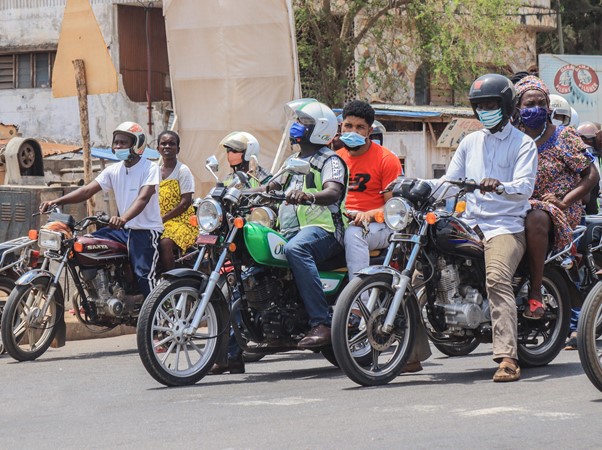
x: 560, y: 161
x: 179, y: 228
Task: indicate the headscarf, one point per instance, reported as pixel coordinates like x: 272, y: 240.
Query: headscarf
x: 531, y: 82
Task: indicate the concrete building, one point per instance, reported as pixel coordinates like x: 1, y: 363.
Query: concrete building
x: 29, y: 34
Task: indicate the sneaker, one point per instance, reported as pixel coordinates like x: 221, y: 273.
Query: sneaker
x: 571, y: 344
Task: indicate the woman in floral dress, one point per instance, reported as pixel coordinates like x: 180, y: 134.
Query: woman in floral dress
x: 565, y: 176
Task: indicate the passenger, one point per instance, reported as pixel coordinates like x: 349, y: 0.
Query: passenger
x: 175, y: 200
x: 565, y: 176
x: 241, y: 148
x: 311, y: 218
x: 134, y: 181
x: 499, y: 155
x: 371, y: 168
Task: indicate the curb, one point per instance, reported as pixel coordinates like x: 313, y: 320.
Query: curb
x: 77, y: 331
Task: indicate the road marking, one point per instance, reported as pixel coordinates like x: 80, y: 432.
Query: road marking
x: 490, y: 411
x: 287, y: 401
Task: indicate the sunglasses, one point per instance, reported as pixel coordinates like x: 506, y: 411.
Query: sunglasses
x: 231, y: 150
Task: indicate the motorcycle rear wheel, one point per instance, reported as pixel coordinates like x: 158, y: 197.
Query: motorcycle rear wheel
x: 388, y: 352
x: 170, y: 357
x: 540, y: 341
x: 26, y: 335
x: 588, y: 344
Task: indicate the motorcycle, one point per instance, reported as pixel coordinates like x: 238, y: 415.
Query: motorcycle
x: 16, y: 257
x: 449, y: 256
x: 588, y: 336
x: 107, y: 293
x: 185, y: 321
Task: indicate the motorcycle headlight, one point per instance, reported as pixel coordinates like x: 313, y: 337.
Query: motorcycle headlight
x: 397, y: 213
x: 50, y: 240
x: 264, y: 216
x: 209, y: 215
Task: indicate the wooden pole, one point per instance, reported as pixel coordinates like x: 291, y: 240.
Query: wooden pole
x: 82, y: 97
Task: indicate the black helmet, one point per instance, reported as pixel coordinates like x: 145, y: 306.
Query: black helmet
x: 493, y: 87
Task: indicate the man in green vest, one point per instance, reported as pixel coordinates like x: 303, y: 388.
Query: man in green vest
x: 311, y: 217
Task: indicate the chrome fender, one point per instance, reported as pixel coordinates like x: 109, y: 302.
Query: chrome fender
x: 374, y: 270
x: 32, y: 275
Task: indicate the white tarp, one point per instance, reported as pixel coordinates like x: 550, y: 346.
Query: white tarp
x: 233, y: 67
x: 577, y: 79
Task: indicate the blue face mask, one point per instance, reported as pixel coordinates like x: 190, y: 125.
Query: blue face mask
x: 535, y: 117
x: 297, y: 131
x: 376, y: 141
x: 122, y: 155
x: 490, y: 118
x: 353, y: 140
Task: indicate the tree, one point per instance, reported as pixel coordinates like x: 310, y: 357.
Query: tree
x: 452, y: 38
x: 581, y: 29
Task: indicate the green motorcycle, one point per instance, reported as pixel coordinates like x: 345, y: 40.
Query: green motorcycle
x: 184, y: 323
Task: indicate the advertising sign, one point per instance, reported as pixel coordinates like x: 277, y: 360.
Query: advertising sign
x: 577, y: 79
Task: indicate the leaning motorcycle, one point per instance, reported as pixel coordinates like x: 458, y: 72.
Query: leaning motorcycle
x: 106, y: 294
x: 186, y: 319
x: 443, y: 264
x: 16, y: 257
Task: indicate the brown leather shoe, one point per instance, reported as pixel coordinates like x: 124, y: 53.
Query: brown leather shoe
x: 233, y: 366
x: 412, y: 367
x: 318, y: 336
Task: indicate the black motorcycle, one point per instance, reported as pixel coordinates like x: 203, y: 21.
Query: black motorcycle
x: 443, y: 267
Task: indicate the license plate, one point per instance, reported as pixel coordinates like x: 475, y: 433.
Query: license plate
x: 206, y: 239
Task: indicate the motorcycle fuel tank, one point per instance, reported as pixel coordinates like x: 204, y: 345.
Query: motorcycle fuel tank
x: 97, y: 251
x: 265, y: 245
x: 453, y: 236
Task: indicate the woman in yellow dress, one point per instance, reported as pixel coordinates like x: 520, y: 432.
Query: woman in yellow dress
x: 175, y: 199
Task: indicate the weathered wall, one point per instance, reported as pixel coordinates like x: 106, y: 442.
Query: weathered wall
x: 32, y: 24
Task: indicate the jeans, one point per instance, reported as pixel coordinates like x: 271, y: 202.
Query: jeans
x: 308, y: 247
x: 358, y: 245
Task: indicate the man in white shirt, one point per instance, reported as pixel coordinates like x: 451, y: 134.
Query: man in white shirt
x: 134, y: 182
x: 499, y: 155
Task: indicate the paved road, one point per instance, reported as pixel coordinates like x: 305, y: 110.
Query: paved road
x: 95, y: 394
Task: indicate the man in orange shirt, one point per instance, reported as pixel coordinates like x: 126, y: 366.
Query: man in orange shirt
x: 371, y: 169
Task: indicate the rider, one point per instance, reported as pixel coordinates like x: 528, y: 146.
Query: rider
x: 241, y: 148
x: 498, y: 157
x: 134, y: 182
x: 311, y: 218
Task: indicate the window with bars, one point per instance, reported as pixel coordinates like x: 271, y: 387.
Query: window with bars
x: 26, y: 70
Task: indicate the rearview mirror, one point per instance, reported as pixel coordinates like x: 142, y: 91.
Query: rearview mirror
x: 212, y: 166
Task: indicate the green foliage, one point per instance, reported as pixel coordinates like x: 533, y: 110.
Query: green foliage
x: 582, y: 29
x: 451, y: 37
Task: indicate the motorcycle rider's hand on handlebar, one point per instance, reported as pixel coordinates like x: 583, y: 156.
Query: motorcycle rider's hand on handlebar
x: 117, y: 222
x: 491, y: 185
x: 297, y: 197
x: 47, y: 206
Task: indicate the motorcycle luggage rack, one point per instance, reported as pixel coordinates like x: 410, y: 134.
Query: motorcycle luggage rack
x: 11, y: 247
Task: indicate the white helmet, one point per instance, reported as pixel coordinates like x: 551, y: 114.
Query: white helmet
x: 136, y: 132
x: 574, y: 118
x: 317, y: 118
x: 241, y: 142
x: 561, y: 110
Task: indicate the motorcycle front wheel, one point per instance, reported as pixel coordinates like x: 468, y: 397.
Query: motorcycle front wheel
x: 6, y: 286
x: 168, y: 353
x: 540, y: 341
x: 588, y: 343
x: 28, y: 331
x: 354, y: 324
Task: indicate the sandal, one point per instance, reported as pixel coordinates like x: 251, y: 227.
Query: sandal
x: 506, y: 372
x: 535, y: 311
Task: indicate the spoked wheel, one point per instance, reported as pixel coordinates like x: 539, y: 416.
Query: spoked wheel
x: 171, y: 354
x: 356, y: 322
x: 459, y: 347
x: 540, y: 341
x: 29, y: 319
x: 588, y: 344
x: 6, y: 287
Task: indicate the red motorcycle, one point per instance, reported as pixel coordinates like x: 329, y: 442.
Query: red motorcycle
x: 106, y: 292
